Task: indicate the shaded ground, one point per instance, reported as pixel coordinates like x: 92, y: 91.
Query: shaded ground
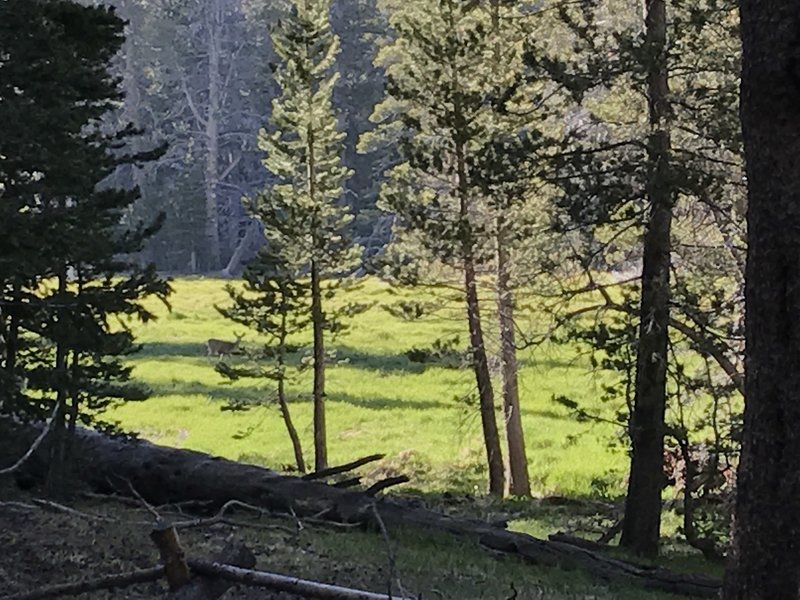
x: 40, y: 547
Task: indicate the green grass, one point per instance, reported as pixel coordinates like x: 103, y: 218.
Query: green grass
x: 378, y: 400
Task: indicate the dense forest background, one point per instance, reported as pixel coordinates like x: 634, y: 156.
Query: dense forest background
x: 198, y: 76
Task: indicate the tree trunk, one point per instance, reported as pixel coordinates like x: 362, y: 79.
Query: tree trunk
x: 10, y: 336
x: 642, y: 524
x: 318, y: 319
x: 517, y: 478
x: 517, y: 465
x: 213, y: 23
x: 480, y: 363
x: 766, y: 553
x: 56, y: 466
x: 284, y: 406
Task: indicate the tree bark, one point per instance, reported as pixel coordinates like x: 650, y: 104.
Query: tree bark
x: 642, y: 524
x: 766, y: 553
x: 57, y: 463
x: 517, y: 465
x: 318, y: 318
x: 480, y: 362
x: 213, y: 24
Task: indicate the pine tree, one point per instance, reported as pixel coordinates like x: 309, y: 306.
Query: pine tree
x: 674, y: 160
x: 82, y: 284
x: 302, y: 212
x: 764, y: 555
x: 437, y: 114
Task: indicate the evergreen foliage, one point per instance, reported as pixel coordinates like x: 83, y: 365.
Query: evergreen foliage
x: 305, y: 223
x: 68, y: 279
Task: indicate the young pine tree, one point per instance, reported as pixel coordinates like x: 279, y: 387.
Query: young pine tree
x: 302, y: 214
x: 273, y: 303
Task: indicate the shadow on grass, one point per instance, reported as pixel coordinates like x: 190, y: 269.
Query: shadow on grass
x: 251, y: 395
x: 383, y: 402
x: 171, y: 349
x: 354, y: 357
x: 379, y: 362
x: 350, y: 356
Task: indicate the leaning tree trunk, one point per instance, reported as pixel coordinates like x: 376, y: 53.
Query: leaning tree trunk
x: 766, y: 552
x: 284, y: 406
x: 517, y: 465
x: 480, y: 362
x: 643, y: 502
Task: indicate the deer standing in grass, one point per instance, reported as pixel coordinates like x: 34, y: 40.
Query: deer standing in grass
x: 220, y: 348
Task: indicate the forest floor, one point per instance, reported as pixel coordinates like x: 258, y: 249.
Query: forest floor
x: 42, y: 547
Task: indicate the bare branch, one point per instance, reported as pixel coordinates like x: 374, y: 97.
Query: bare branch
x: 35, y: 446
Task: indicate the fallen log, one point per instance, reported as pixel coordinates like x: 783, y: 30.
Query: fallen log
x: 168, y: 475
x: 83, y: 586
x: 283, y: 583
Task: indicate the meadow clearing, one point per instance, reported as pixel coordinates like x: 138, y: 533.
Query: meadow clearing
x: 378, y: 399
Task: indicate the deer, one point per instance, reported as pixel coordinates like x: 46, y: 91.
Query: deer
x: 222, y: 347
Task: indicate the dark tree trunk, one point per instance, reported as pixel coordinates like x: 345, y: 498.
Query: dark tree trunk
x: 318, y: 319
x: 10, y: 335
x: 765, y: 558
x: 480, y: 363
x: 517, y: 466
x: 642, y: 522
x: 57, y: 464
x: 12, y: 331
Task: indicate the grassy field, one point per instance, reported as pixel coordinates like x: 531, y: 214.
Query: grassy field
x: 378, y: 400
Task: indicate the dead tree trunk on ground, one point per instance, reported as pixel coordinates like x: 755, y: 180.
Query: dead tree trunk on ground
x: 168, y: 475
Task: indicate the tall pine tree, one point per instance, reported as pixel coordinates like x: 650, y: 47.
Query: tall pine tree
x: 436, y: 111
x: 304, y: 219
x: 626, y: 183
